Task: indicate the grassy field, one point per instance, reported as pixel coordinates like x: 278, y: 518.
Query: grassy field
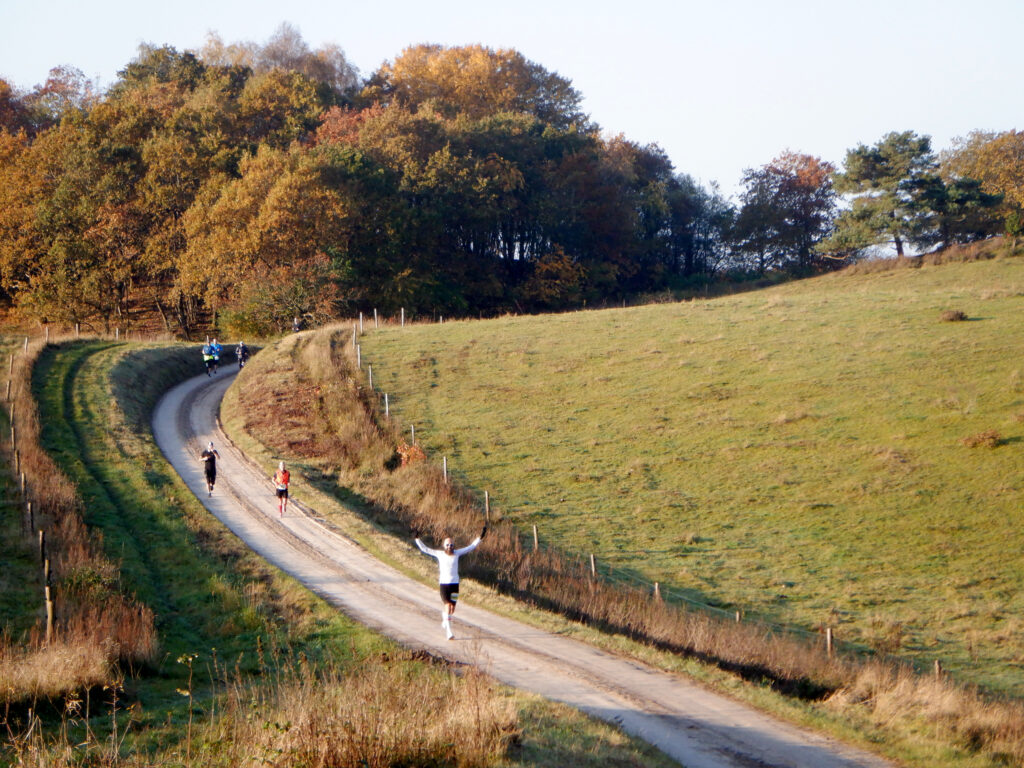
x: 803, y: 454
x: 248, y: 656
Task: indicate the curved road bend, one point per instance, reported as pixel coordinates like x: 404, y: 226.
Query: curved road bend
x: 698, y: 728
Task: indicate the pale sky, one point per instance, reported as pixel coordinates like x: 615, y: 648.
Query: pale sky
x: 720, y: 85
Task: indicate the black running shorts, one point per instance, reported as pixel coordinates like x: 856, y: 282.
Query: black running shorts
x: 450, y: 593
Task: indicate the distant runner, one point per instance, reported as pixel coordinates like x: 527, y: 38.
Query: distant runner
x: 216, y: 349
x: 281, y: 480
x: 448, y: 574
x: 242, y: 353
x: 210, y: 456
x: 208, y: 358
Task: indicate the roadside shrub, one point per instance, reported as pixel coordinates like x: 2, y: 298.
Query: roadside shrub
x: 952, y: 316
x: 990, y: 438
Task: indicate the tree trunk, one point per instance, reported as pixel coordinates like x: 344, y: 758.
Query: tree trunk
x: 163, y: 314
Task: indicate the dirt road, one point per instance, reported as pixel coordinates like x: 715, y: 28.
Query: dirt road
x: 698, y: 728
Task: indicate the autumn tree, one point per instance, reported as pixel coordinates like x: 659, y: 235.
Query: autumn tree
x: 22, y: 186
x: 65, y: 90
x: 248, y: 183
x: 14, y: 116
x: 260, y: 241
x: 753, y: 232
x: 996, y: 160
x: 475, y: 81
x: 787, y: 208
x: 287, y: 51
x: 69, y: 257
x: 696, y: 234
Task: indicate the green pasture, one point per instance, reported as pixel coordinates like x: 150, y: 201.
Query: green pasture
x: 796, y: 454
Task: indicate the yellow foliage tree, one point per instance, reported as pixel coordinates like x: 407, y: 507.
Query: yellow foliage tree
x: 475, y: 81
x: 997, y: 161
x: 277, y: 215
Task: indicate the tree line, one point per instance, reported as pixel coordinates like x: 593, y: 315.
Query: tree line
x: 244, y: 184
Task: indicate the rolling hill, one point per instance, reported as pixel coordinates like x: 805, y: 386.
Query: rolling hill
x: 832, y: 452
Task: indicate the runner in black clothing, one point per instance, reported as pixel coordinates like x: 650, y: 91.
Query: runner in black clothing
x: 210, y: 456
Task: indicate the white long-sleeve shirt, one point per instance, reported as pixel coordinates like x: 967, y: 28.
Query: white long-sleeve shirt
x: 447, y: 565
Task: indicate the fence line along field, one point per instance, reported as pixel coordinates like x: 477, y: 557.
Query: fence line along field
x: 842, y: 452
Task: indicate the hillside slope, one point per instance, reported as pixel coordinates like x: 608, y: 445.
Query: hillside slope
x: 824, y: 453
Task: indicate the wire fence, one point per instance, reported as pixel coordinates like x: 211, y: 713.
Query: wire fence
x: 608, y: 570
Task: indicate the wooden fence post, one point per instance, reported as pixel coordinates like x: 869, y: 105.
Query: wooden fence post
x: 828, y: 641
x: 369, y: 372
x: 487, y: 507
x: 360, y: 323
x: 49, y: 614
x: 657, y: 591
x: 444, y: 469
x: 412, y: 430
x: 42, y: 546
x: 593, y: 565
x: 387, y: 408
x: 536, y: 541
x: 403, y: 317
x: 938, y: 669
x: 375, y: 323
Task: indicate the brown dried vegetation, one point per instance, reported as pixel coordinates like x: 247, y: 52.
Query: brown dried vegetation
x: 95, y: 626
x: 990, y: 438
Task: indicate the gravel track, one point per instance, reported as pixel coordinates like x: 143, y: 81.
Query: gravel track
x: 696, y: 727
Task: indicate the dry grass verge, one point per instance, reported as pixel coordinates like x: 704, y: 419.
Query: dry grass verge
x: 391, y: 711
x: 95, y: 626
x: 993, y: 248
x: 383, y: 714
